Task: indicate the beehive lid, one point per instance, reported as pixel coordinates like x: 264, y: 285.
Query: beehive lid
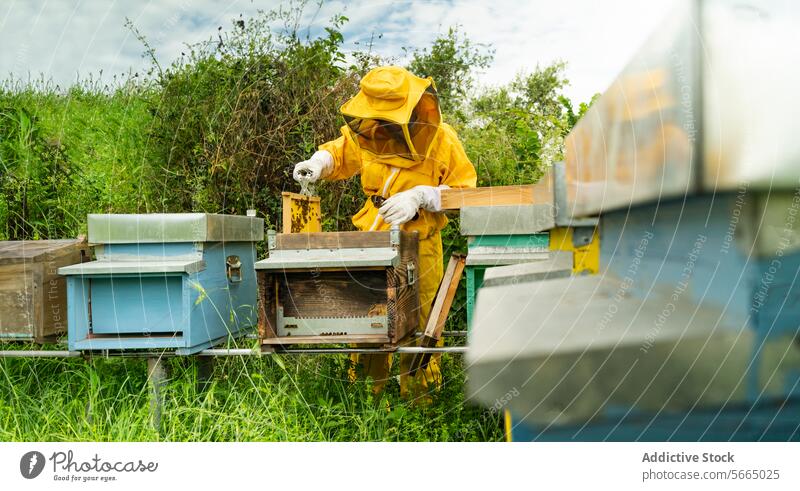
x: 106, y: 267
x: 497, y: 250
x: 558, y: 264
x: 20, y: 251
x: 507, y: 220
x: 297, y: 259
x: 173, y: 227
x: 592, y: 348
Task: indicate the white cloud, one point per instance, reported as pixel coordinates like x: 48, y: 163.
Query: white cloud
x: 62, y: 39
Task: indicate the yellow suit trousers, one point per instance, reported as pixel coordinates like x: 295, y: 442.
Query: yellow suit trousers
x: 378, y: 366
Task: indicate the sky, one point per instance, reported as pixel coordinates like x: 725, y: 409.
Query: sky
x: 64, y: 39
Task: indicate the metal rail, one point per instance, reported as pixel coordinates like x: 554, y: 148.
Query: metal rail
x: 447, y: 334
x: 230, y: 352
x: 39, y: 354
x: 400, y: 349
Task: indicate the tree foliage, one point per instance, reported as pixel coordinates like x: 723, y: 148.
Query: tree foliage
x: 517, y: 130
x: 452, y: 61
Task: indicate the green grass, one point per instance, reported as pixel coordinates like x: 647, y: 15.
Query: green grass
x: 291, y: 398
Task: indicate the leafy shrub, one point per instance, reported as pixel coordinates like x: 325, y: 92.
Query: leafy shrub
x: 234, y: 114
x: 452, y: 60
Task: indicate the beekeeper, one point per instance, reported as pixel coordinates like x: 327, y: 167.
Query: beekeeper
x: 395, y: 138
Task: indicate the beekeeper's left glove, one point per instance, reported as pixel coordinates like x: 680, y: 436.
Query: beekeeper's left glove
x: 403, y: 206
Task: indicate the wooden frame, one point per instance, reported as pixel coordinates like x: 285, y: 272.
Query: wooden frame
x: 457, y: 198
x: 300, y: 213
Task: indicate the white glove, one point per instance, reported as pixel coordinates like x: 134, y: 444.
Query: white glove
x: 402, y: 207
x: 318, y: 166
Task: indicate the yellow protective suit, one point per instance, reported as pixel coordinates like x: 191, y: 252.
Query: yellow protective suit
x: 395, y: 139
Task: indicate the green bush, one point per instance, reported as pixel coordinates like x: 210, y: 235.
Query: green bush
x: 234, y: 114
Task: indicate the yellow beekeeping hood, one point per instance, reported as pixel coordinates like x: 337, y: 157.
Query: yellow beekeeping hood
x: 395, y: 113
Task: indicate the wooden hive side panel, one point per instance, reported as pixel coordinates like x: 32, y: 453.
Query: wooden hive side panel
x: 404, y: 298
x: 53, y: 291
x: 392, y: 289
x: 18, y: 291
x: 267, y: 305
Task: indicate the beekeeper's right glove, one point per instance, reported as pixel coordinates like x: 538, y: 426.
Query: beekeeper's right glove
x: 318, y: 166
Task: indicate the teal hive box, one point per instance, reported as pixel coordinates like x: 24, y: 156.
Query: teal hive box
x: 500, y: 236
x: 181, y: 281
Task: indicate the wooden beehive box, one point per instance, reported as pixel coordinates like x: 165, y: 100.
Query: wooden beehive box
x: 355, y: 288
x: 182, y: 281
x: 33, y: 298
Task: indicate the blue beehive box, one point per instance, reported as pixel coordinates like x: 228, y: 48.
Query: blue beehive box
x: 182, y: 281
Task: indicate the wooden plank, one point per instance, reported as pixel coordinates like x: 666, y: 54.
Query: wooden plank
x: 53, y: 292
x: 263, y: 295
x: 455, y: 199
x: 38, y: 301
x: 332, y: 269
x: 333, y: 240
x: 267, y: 305
x: 286, y: 213
x: 440, y: 310
x: 444, y: 297
x: 405, y: 301
x: 300, y: 213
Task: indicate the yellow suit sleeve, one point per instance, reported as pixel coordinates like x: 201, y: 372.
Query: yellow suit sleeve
x: 456, y: 171
x: 346, y: 156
